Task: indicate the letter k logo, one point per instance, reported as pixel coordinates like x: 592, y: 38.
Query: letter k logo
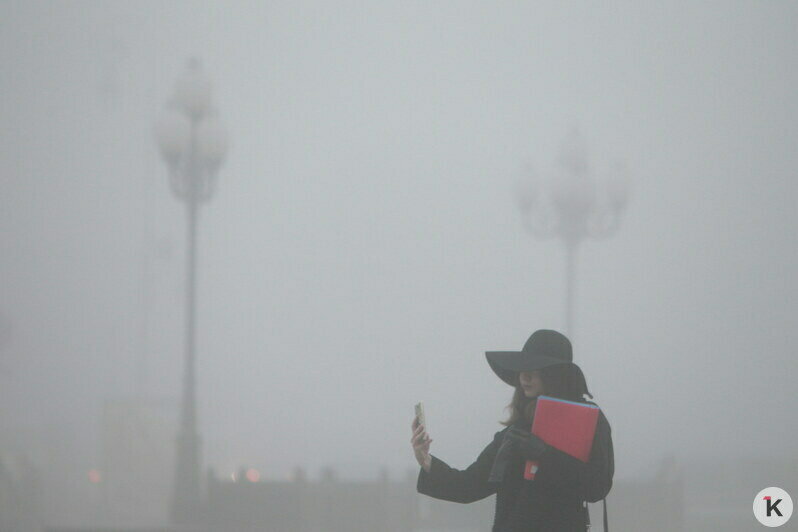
x: 772, y: 507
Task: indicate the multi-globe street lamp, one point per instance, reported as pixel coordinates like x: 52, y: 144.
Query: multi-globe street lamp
x: 193, y: 144
x: 574, y: 206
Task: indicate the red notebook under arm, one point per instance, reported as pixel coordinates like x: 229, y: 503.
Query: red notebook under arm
x: 566, y: 425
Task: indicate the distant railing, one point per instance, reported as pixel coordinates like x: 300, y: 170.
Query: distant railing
x: 384, y: 505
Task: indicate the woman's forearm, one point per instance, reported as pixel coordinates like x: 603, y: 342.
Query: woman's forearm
x: 427, y: 463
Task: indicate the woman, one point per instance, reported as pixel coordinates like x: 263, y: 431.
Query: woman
x: 554, y: 500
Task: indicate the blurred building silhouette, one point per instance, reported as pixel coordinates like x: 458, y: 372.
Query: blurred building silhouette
x: 20, y: 494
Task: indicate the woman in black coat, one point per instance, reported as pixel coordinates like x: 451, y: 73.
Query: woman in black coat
x: 554, y: 500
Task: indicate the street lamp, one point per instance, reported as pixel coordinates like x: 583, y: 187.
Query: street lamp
x: 193, y: 144
x: 573, y: 206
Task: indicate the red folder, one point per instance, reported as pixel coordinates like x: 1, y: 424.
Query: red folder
x: 566, y: 425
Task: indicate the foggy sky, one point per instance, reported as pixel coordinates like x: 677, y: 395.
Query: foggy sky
x: 363, y: 248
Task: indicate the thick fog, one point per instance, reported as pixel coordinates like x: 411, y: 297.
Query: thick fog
x: 363, y: 247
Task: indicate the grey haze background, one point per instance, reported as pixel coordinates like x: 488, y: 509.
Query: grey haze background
x: 363, y: 248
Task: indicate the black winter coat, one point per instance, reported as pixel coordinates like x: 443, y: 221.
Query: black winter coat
x: 551, y: 502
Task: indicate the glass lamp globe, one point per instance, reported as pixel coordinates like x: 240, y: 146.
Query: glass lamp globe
x: 173, y: 134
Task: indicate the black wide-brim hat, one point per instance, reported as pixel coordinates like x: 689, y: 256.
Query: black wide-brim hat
x: 543, y: 349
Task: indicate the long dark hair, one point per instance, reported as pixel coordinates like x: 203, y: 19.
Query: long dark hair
x: 564, y: 381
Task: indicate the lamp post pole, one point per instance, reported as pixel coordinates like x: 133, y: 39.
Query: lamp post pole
x: 187, y: 475
x: 193, y: 144
x: 573, y: 206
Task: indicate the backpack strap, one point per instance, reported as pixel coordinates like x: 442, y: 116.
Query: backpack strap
x: 587, y: 516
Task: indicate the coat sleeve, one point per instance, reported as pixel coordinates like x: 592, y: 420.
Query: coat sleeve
x: 589, y: 481
x: 469, y: 485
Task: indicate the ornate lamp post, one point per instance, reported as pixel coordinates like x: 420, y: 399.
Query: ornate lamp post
x: 573, y: 206
x: 193, y: 144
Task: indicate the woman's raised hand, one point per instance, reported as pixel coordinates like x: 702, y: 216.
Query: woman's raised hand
x: 421, y: 441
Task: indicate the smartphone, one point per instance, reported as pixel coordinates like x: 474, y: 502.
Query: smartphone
x: 420, y: 415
